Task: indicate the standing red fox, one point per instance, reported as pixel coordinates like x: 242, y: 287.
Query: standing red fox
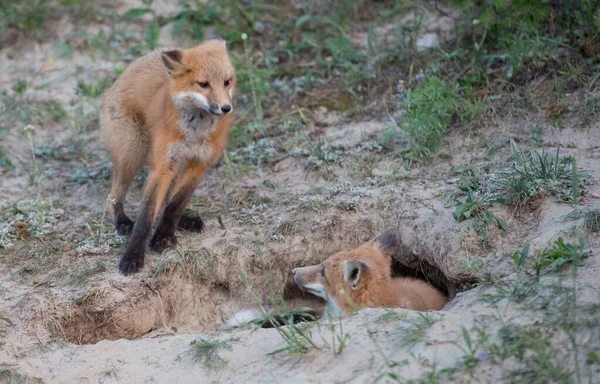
x: 171, y: 109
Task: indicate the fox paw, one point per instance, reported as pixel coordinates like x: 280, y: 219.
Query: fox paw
x: 191, y: 223
x: 124, y: 226
x: 160, y: 242
x: 131, y: 262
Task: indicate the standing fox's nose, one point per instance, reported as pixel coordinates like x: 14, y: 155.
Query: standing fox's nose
x: 226, y: 108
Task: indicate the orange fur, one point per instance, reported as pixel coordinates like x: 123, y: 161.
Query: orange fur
x: 171, y: 109
x: 361, y: 278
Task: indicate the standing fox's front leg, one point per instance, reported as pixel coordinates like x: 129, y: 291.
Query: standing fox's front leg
x: 164, y: 235
x: 157, y: 187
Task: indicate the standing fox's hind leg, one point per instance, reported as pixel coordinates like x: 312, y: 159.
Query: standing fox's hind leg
x: 191, y: 223
x: 126, y: 164
x: 123, y: 224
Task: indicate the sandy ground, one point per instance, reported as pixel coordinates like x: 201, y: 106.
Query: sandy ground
x: 139, y: 329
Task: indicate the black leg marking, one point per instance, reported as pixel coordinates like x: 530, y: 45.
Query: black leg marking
x: 132, y: 260
x: 164, y: 236
x: 123, y: 224
x: 192, y: 223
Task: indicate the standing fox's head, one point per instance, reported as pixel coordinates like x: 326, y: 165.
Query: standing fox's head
x: 203, y: 78
x: 350, y: 279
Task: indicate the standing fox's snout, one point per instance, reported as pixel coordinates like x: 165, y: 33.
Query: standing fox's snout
x: 220, y: 109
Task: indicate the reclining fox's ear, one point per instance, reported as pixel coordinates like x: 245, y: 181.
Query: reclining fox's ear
x: 353, y: 270
x: 388, y: 241
x: 218, y: 38
x: 172, y: 61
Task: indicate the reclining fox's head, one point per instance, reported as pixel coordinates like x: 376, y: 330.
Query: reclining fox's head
x: 351, y: 279
x: 202, y: 77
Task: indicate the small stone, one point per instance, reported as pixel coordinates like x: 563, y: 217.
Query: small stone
x: 428, y: 41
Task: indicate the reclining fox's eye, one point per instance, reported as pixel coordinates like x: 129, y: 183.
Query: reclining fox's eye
x: 204, y: 84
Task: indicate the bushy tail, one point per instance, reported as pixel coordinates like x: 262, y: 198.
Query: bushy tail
x: 269, y: 320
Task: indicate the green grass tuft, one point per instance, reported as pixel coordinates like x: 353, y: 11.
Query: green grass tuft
x: 530, y: 174
x: 205, y: 351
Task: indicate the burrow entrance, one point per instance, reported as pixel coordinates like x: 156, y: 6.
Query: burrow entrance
x: 181, y: 301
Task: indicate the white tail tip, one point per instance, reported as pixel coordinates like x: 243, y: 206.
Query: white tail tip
x: 243, y: 317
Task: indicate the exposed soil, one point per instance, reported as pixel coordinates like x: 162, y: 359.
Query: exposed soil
x: 76, y: 319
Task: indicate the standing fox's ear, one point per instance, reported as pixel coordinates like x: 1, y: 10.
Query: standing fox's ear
x: 353, y: 270
x: 388, y: 242
x: 172, y: 61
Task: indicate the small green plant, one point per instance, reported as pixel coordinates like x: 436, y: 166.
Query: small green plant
x: 591, y: 219
x: 416, y: 329
x: 559, y: 254
x: 100, y: 235
x: 5, y: 162
x: 24, y: 218
x: 471, y: 358
x: 392, y: 315
x: 25, y: 17
x: 428, y: 111
x: 6, y: 320
x: 91, y: 91
x: 363, y: 166
x: 206, y: 350
x: 590, y: 215
x: 473, y: 264
x: 193, y: 17
x: 257, y: 86
x: 321, y: 154
x: 519, y: 258
x: 196, y: 263
x: 36, y: 175
x: 537, y: 136
x: 152, y: 28
x: 530, y: 346
x: 297, y: 337
x: 339, y: 339
x: 530, y: 174
x: 476, y: 206
x: 81, y: 276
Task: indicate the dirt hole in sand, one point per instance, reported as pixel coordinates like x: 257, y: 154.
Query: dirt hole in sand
x: 427, y: 272
x: 175, y: 302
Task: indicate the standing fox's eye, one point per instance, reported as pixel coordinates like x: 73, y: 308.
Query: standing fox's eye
x: 204, y: 84
x: 227, y: 82
x: 323, y: 271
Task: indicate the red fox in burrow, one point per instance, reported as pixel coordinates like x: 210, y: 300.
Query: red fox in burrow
x: 172, y: 109
x: 357, y: 279
x: 362, y: 278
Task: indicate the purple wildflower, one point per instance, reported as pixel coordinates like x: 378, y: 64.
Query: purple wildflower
x: 419, y: 77
x: 400, y: 86
x: 482, y: 356
x: 402, y: 96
